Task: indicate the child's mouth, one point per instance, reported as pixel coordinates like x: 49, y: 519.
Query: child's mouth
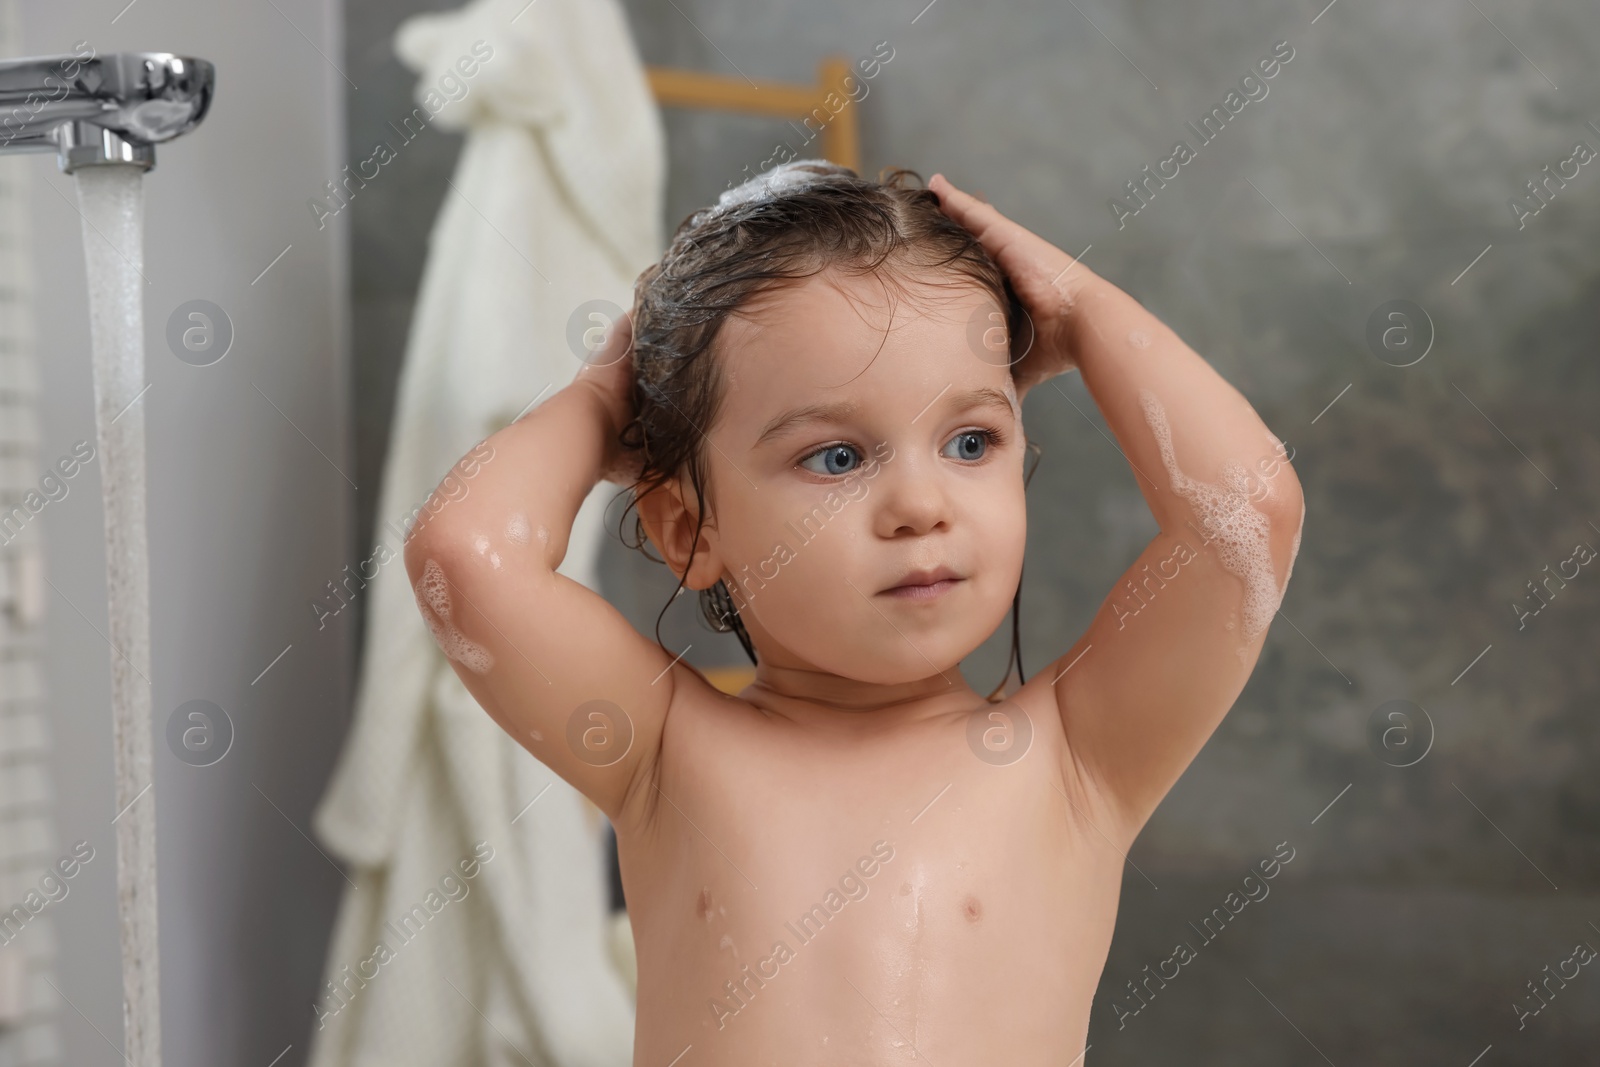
x: 925, y: 585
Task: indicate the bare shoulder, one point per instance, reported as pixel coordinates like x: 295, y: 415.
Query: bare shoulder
x: 1044, y: 699
x: 1168, y: 653
x: 697, y: 714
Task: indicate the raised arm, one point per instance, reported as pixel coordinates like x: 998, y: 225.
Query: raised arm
x: 1171, y: 647
x: 554, y: 664
x: 1178, y: 636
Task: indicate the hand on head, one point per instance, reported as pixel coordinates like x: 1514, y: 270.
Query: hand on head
x: 1046, y: 279
x: 609, y: 372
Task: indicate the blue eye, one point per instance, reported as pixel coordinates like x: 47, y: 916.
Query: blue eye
x: 969, y: 445
x: 836, y: 459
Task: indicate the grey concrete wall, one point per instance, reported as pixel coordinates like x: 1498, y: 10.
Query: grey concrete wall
x: 1378, y: 167
x: 248, y: 516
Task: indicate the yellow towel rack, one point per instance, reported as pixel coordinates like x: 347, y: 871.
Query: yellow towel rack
x: 841, y: 132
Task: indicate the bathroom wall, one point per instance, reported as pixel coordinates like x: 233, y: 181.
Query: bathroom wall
x: 249, y: 513
x: 1378, y: 166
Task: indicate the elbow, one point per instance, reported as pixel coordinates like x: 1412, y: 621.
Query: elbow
x: 1276, y: 492
x: 1285, y: 510
x: 430, y: 537
x: 436, y: 567
x: 416, y: 551
x: 1287, y: 502
x: 438, y: 525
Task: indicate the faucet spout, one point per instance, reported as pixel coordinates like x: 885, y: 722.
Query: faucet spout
x: 101, y: 109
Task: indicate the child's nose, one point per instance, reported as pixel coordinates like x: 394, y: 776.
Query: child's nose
x: 913, y: 501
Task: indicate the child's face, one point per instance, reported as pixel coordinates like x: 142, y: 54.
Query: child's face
x: 853, y: 449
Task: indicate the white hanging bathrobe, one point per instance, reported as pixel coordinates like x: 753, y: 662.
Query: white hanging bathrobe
x: 556, y: 201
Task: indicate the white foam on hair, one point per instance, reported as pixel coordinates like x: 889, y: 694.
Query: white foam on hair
x: 517, y: 529
x: 1239, y: 532
x: 433, y: 598
x: 785, y: 177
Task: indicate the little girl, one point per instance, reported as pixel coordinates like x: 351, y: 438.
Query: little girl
x: 817, y: 403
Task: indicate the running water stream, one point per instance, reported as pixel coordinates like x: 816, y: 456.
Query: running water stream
x: 110, y: 198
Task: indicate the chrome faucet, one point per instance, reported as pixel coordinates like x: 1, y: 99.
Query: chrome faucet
x: 101, y: 109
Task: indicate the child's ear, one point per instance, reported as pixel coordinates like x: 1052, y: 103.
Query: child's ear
x: 669, y: 522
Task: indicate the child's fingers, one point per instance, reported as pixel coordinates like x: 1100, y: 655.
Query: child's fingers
x: 1032, y: 263
x: 993, y: 230
x: 610, y: 369
x: 984, y: 220
x: 618, y: 342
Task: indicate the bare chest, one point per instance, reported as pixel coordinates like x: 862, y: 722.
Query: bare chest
x: 914, y: 871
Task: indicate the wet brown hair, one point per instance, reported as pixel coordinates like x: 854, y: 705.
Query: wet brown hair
x: 785, y: 225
